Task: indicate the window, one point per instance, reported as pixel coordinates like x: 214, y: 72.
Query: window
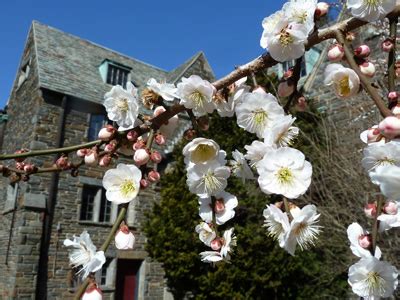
x: 117, y: 75
x: 24, y: 72
x: 97, y: 122
x: 95, y: 207
x: 289, y: 64
x: 105, y: 276
x: 12, y: 194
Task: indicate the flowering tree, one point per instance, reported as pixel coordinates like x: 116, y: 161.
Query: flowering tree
x: 270, y: 161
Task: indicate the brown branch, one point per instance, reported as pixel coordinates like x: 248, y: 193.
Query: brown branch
x: 372, y: 91
x: 295, y: 78
x: 375, y: 226
x: 392, y: 55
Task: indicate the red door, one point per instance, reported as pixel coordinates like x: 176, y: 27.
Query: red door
x: 127, y: 279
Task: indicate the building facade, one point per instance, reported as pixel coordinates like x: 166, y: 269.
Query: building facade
x: 56, y: 101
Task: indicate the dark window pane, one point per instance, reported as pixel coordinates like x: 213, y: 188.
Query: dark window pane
x: 116, y: 75
x: 105, y: 208
x: 96, y: 123
x: 88, y: 196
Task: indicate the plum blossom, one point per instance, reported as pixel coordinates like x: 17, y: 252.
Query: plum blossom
x: 236, y: 92
x: 390, y: 217
x: 373, y: 279
x: 166, y: 90
x: 224, y: 205
x: 256, y: 152
x: 303, y: 229
x: 169, y: 128
x: 376, y: 155
x: 269, y: 23
x: 387, y: 177
x: 370, y: 10
x: 344, y: 80
x: 93, y: 293
x: 196, y: 94
x: 284, y: 171
x: 200, y: 150
x: 239, y: 166
x: 257, y: 112
x: 211, y: 256
x: 124, y: 239
x: 277, y: 223
x: 228, y: 241
x: 301, y: 12
x: 122, y: 105
x: 361, y: 241
x: 84, y: 254
x: 372, y: 135
x: 122, y: 184
x: 206, y: 233
x: 282, y: 133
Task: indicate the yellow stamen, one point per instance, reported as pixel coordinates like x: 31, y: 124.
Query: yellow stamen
x: 127, y: 187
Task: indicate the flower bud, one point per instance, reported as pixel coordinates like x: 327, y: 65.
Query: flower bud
x: 367, y: 68
x: 390, y: 208
x: 62, y: 162
x: 373, y: 135
x: 110, y: 147
x: 285, y: 88
x: 107, y: 133
x: 336, y: 53
x: 321, y: 9
x: 393, y: 96
x: 286, y: 75
x: 365, y: 241
x: 29, y: 168
x: 362, y: 51
x: 20, y: 165
x: 390, y: 127
x: 216, y: 244
x: 158, y: 111
x: 82, y: 152
x: 124, y: 239
x: 141, y: 157
x: 396, y: 110
x: 387, y: 45
x: 156, y: 157
x: 105, y: 160
x: 370, y: 210
x: 153, y: 176
x: 91, y: 158
x: 132, y: 136
x: 20, y: 159
x: 190, y: 134
x: 301, y: 104
x: 219, y: 206
x: 203, y: 123
x: 160, y: 139
x: 144, y: 183
x: 139, y: 145
x: 92, y: 293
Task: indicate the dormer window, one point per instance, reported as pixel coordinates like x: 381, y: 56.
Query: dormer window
x: 114, y: 73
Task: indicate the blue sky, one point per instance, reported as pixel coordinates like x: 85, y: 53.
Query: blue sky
x: 159, y: 32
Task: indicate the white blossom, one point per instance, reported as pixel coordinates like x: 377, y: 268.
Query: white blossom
x: 378, y: 154
x: 372, y: 279
x: 207, y: 179
x: 196, y: 94
x: 166, y: 90
x: 211, y: 256
x: 122, y: 184
x: 282, y: 133
x: 124, y: 239
x: 84, y: 254
x: 284, y: 171
x: 269, y: 23
x: 277, y: 223
x: 388, y: 178
x: 92, y: 293
x: 122, y: 105
x: 358, y: 237
x: 206, y: 233
x: 236, y: 92
x: 239, y: 166
x: 390, y: 219
x: 200, y: 150
x: 256, y: 152
x: 370, y: 10
x: 303, y: 228
x: 257, y: 112
x: 344, y: 80
x: 301, y: 12
x: 224, y: 205
x: 229, y: 241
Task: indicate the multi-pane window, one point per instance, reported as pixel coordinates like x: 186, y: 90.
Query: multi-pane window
x: 96, y: 123
x: 95, y: 207
x: 117, y: 75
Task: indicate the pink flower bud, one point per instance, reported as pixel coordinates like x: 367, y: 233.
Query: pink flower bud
x: 105, y: 160
x: 301, y: 104
x: 365, y: 241
x: 362, y: 51
x: 219, y: 206
x: 62, y: 162
x: 132, y: 136
x: 139, y: 145
x: 92, y: 293
x: 370, y: 210
x: 390, y: 208
x: 286, y: 75
x: 153, y: 176
x: 158, y: 111
x: 110, y: 147
x: 285, y: 89
x: 393, y: 96
x: 373, y: 135
x: 390, y: 127
x: 21, y: 159
x: 387, y: 45
x: 124, y: 239
x: 160, y: 139
x: 29, y: 168
x: 350, y: 36
x: 336, y: 53
x: 141, y: 157
x: 396, y: 110
x: 367, y: 68
x: 216, y: 244
x: 107, y: 133
x: 321, y: 9
x: 156, y: 157
x: 82, y: 152
x: 144, y: 183
x: 20, y: 165
x: 91, y: 158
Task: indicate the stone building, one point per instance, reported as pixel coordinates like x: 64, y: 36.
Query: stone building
x: 56, y: 101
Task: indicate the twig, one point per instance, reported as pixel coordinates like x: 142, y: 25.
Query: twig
x: 392, y: 54
x: 295, y: 79
x: 375, y: 226
x: 372, y: 91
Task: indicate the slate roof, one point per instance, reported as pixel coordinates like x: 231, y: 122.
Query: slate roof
x: 70, y: 65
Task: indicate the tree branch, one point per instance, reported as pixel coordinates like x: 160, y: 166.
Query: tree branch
x: 392, y: 55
